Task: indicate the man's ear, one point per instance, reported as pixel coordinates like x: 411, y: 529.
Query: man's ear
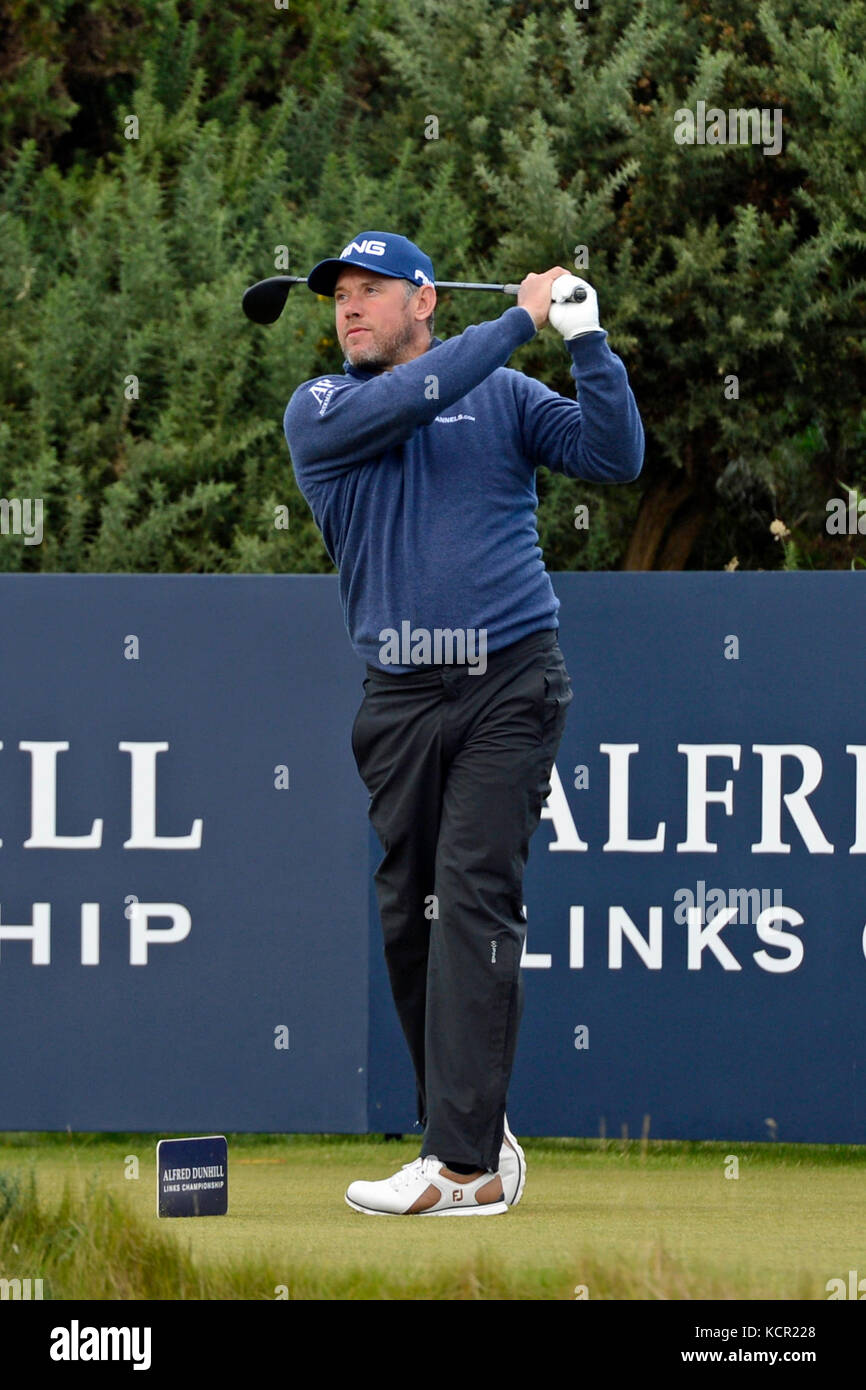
x: 425, y: 301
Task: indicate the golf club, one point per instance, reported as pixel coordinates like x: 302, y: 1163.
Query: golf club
x: 264, y: 301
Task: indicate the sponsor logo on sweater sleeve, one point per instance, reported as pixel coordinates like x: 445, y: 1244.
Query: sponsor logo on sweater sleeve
x: 324, y: 390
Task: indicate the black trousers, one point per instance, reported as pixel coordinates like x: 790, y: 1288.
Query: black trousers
x: 458, y: 768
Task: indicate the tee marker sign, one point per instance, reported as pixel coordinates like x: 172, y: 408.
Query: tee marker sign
x: 192, y: 1177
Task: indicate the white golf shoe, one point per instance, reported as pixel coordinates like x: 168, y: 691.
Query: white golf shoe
x: 512, y: 1168
x: 423, y: 1188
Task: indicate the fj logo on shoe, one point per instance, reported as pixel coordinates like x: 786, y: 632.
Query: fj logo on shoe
x: 457, y: 1195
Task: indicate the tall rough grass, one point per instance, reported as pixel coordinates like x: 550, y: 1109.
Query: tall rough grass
x: 91, y: 1245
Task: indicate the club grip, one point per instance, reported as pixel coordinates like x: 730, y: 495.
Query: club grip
x: 577, y: 296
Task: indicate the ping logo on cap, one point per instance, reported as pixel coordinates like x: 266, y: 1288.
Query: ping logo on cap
x: 384, y: 253
x: 364, y: 248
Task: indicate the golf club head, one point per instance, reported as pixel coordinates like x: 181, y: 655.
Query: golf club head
x: 264, y: 301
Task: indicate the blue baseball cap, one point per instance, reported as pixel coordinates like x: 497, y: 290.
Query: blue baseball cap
x: 384, y: 252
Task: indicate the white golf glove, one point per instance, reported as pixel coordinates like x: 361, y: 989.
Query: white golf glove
x: 572, y: 320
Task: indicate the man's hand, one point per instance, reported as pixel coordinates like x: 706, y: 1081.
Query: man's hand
x: 569, y: 319
x: 534, y: 294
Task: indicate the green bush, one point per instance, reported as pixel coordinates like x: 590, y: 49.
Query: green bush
x: 147, y: 412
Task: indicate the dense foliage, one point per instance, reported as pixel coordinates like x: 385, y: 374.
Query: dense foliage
x: 154, y: 159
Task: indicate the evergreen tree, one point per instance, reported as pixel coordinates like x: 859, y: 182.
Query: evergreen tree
x: 147, y: 412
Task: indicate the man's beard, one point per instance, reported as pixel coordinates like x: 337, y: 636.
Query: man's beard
x: 378, y: 356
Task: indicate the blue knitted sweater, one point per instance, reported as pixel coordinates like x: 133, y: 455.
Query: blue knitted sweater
x: 421, y: 479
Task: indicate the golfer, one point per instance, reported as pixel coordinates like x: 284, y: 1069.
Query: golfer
x: 418, y: 463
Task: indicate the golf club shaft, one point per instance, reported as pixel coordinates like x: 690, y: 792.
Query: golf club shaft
x: 440, y: 284
x: 263, y: 302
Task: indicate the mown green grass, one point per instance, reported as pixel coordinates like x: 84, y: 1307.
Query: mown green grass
x: 632, y: 1220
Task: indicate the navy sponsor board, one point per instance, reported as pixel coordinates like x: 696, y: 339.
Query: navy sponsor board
x: 186, y: 863
x: 695, y: 964
x: 181, y: 899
